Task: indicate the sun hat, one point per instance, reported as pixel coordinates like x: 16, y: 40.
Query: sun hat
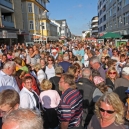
x: 125, y: 71
x: 97, y: 80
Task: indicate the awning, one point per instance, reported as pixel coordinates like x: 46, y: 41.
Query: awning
x: 110, y: 35
x: 52, y: 38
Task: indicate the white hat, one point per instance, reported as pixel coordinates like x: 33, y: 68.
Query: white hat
x: 125, y: 71
x: 54, y: 50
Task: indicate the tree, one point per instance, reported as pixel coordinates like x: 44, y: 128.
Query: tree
x: 88, y: 35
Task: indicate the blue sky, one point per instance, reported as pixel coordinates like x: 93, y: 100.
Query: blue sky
x: 78, y: 13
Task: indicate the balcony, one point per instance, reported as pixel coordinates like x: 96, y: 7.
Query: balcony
x: 93, y: 26
x: 8, y: 23
x: 94, y: 31
x: 94, y: 21
x: 43, y: 17
x: 6, y: 3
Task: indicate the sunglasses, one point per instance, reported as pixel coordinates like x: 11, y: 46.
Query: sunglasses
x: 112, y: 73
x: 108, y: 111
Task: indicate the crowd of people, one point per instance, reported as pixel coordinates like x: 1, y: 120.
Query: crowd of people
x: 72, y: 85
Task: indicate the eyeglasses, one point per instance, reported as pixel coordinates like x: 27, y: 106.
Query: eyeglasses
x: 112, y: 73
x: 108, y: 111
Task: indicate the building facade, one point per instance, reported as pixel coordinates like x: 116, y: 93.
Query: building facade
x: 102, y: 6
x: 64, y: 29
x: 117, y: 16
x: 94, y: 27
x: 10, y: 21
x: 35, y: 20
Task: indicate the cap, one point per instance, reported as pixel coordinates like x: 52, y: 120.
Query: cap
x: 54, y: 50
x: 98, y: 80
x: 125, y: 71
x: 127, y: 91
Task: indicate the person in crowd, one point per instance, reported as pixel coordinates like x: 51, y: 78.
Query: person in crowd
x: 50, y: 100
x: 121, y: 84
x: 30, y: 59
x: 86, y: 59
x: 115, y: 55
x: 101, y: 89
x: 95, y: 64
x: 23, y: 119
x: 43, y: 64
x: 81, y: 52
x: 19, y: 66
x: 98, y: 54
x: 104, y: 52
x: 39, y: 73
x: 122, y: 62
x: 70, y: 107
x: 54, y: 54
x: 3, y: 61
x: 73, y: 70
x: 9, y: 101
x: 65, y: 63
x: 60, y: 58
x: 7, y: 81
x: 124, y: 80
x: 107, y: 113
x: 111, y: 76
x: 50, y: 67
x: 55, y: 80
x: 127, y: 104
x: 28, y: 97
x: 86, y: 87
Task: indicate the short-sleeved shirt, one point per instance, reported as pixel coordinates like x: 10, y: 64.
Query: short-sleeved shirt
x: 70, y: 107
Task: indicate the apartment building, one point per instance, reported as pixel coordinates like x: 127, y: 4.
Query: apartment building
x: 10, y: 21
x: 64, y: 29
x: 94, y: 27
x: 117, y: 16
x: 102, y: 16
x: 36, y: 22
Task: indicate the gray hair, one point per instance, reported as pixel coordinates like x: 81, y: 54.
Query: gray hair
x: 86, y: 73
x: 94, y: 59
x: 25, y: 119
x: 58, y: 70
x: 9, y: 64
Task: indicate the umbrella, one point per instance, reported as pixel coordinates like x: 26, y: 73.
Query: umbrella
x: 111, y: 35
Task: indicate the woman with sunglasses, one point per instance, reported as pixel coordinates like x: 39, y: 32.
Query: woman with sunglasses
x: 112, y: 75
x: 109, y: 113
x: 50, y: 70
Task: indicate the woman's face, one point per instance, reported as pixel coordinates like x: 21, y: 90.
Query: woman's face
x: 50, y: 61
x: 42, y: 62
x: 103, y: 59
x: 106, y: 111
x: 34, y: 47
x: 112, y: 74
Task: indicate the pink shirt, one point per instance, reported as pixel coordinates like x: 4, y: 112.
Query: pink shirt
x: 49, y: 98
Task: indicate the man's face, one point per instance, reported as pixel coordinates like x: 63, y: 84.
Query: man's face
x: 5, y: 109
x: 11, y: 70
x: 61, y: 84
x: 28, y: 84
x: 93, y: 65
x: 10, y: 125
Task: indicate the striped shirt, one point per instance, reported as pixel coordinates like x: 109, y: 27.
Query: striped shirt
x: 70, y: 108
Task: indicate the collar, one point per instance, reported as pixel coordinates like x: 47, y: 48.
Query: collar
x: 25, y: 89
x: 4, y: 74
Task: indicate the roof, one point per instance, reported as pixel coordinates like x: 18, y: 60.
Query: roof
x: 60, y: 21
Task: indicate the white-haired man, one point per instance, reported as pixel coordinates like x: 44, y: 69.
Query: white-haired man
x: 95, y: 64
x: 7, y: 81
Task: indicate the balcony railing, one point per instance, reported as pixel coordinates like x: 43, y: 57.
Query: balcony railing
x: 93, y: 31
x: 94, y: 21
x: 94, y: 26
x: 8, y: 23
x: 6, y: 3
x: 43, y: 17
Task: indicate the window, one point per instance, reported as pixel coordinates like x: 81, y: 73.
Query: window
x: 30, y: 7
x: 31, y: 24
x: 126, y: 18
x: 42, y: 25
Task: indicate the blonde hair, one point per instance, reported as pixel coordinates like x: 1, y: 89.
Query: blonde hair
x: 37, y: 66
x: 110, y: 69
x: 113, y: 100
x: 46, y: 85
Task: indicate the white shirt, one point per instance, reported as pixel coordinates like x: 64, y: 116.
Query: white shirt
x: 86, y: 61
x: 41, y: 75
x: 50, y: 72
x: 27, y: 99
x: 8, y: 81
